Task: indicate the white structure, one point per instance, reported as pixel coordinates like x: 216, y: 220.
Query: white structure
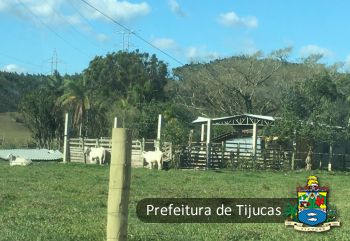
x: 243, y: 120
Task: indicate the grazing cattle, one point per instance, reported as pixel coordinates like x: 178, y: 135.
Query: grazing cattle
x: 18, y: 161
x: 153, y: 158
x: 96, y: 155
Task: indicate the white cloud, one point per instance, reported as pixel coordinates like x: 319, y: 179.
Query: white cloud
x: 119, y: 10
x: 165, y: 43
x: 58, y: 12
x: 5, y: 4
x: 191, y: 54
x: 314, y: 49
x: 198, y: 54
x: 176, y: 8
x: 231, y: 19
x: 47, y: 11
x: 13, y: 68
x: 102, y: 37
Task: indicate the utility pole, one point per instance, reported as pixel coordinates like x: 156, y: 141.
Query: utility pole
x: 54, y: 62
x: 126, y: 39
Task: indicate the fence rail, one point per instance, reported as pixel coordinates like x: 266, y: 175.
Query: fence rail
x: 237, y: 156
x: 77, y: 145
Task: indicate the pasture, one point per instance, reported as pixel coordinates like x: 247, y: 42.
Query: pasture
x: 54, y: 201
x: 13, y: 132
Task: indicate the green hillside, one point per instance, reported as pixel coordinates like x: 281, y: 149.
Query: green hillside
x: 13, y: 86
x: 13, y: 131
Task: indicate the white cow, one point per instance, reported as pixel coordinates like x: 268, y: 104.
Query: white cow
x: 153, y: 158
x: 95, y: 154
x: 18, y: 161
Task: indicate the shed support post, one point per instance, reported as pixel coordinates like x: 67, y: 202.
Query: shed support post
x: 209, y: 143
x: 202, y: 135
x: 254, y: 141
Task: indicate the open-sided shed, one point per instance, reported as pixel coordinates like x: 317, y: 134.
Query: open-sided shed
x: 243, y: 120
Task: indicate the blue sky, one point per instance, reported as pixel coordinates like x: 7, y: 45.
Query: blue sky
x: 31, y: 30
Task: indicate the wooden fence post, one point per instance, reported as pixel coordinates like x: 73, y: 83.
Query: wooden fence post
x: 115, y: 124
x: 83, y: 146
x: 119, y: 185
x: 330, y: 157
x: 159, y: 129
x: 294, y: 154
x: 238, y: 150
x: 66, y: 139
x: 97, y: 142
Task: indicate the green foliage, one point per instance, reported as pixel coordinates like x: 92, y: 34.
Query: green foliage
x: 177, y: 126
x: 332, y: 213
x: 312, y: 110
x: 13, y: 86
x: 75, y: 99
x: 239, y: 84
x: 136, y: 87
x: 136, y: 77
x: 291, y: 212
x: 42, y: 117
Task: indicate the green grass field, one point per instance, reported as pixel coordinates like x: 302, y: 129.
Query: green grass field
x: 54, y: 201
x: 12, y: 131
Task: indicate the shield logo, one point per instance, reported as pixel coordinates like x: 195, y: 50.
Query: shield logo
x: 312, y: 203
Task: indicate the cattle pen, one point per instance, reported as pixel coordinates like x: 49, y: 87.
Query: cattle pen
x: 76, y: 148
x: 246, y: 147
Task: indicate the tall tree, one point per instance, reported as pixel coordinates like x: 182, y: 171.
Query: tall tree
x: 42, y: 116
x: 313, y: 110
x: 75, y: 99
x: 136, y: 77
x: 232, y: 85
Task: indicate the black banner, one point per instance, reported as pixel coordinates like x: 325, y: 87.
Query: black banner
x: 213, y: 210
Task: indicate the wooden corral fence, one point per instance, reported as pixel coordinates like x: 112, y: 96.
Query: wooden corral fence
x: 240, y: 156
x: 77, y: 145
x: 16, y: 142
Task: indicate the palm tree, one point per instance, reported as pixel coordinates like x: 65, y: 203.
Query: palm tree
x: 76, y: 99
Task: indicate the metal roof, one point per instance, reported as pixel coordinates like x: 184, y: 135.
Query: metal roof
x: 33, y: 154
x: 244, y: 119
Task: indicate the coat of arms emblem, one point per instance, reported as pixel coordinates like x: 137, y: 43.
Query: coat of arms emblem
x: 312, y: 203
x: 311, y: 213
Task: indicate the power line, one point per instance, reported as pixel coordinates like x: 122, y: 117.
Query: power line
x: 131, y: 32
x: 49, y: 28
x: 73, y: 27
x: 21, y: 61
x: 80, y: 14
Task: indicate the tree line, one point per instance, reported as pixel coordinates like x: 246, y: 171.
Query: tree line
x: 136, y: 87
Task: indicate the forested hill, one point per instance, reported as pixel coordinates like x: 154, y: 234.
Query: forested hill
x: 252, y: 84
x: 136, y: 87
x: 13, y: 86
